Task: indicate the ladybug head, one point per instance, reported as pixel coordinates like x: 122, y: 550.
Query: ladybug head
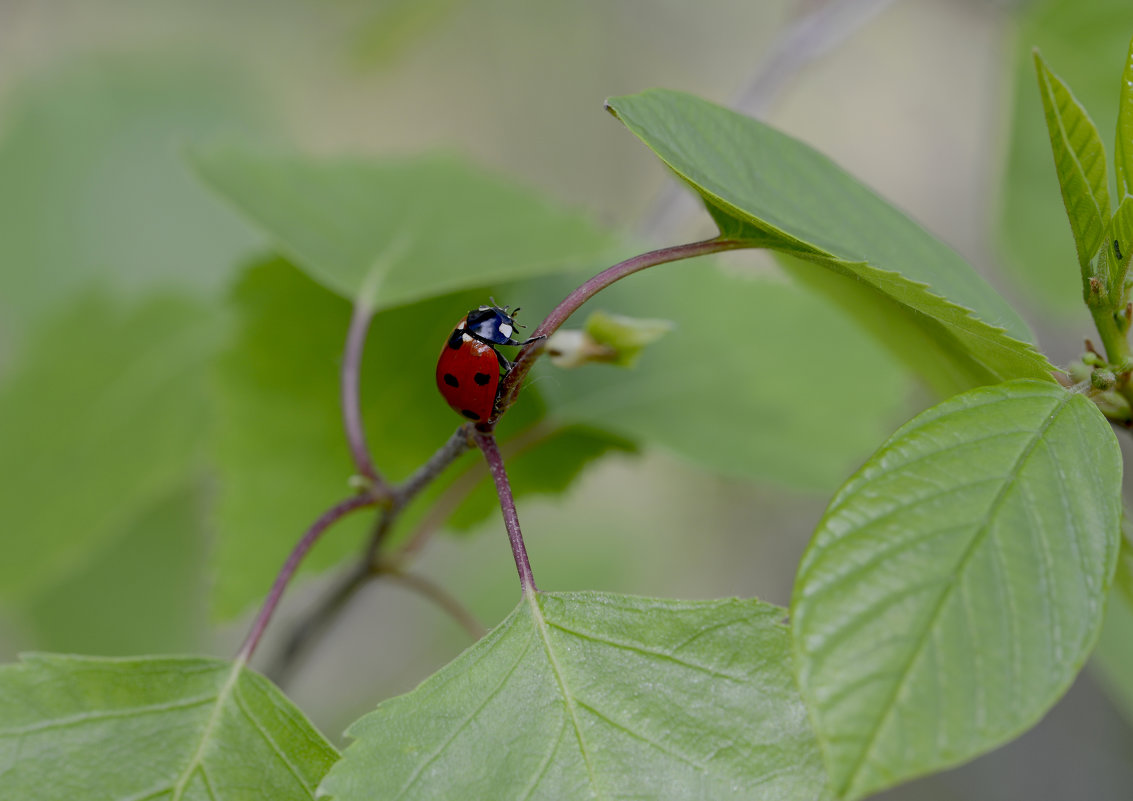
x: 492, y: 324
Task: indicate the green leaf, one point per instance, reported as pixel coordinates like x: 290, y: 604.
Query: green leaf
x: 764, y: 186
x: 1123, y: 149
x: 1079, y: 161
x: 142, y: 592
x: 101, y: 418
x: 390, y: 233
x: 278, y: 443
x: 758, y: 379
x: 91, y: 185
x: 1086, y: 41
x: 152, y: 727
x: 956, y: 583
x: 595, y: 695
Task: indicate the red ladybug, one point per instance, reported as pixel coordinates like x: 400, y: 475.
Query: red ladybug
x: 470, y: 366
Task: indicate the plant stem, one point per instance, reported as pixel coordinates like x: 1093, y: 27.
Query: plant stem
x: 1113, y: 338
x: 306, y: 542
x: 351, y: 395
x: 458, y: 491
x: 442, y: 598
x: 457, y: 444
x: 316, y: 624
x: 487, y: 443
x: 509, y: 389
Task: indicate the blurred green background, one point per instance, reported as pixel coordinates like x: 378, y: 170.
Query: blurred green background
x: 117, y: 270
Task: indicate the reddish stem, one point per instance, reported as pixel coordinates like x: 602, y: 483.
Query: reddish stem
x: 509, y: 389
x: 351, y: 397
x: 487, y: 443
x: 325, y: 521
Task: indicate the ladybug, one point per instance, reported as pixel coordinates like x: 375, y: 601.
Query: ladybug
x: 470, y: 367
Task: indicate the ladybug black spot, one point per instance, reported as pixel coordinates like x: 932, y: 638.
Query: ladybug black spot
x: 471, y: 415
x: 456, y: 340
x: 450, y: 379
x: 479, y: 378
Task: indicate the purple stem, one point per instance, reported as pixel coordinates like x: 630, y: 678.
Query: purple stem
x: 351, y: 393
x: 325, y: 521
x: 526, y: 358
x: 487, y: 444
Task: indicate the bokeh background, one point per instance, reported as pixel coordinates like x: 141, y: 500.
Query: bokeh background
x: 931, y: 102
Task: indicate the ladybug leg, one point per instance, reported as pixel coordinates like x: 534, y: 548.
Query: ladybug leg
x: 505, y: 365
x: 527, y: 341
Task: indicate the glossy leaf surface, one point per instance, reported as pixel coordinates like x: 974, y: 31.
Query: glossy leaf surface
x: 956, y: 583
x: 594, y: 695
x: 764, y: 186
x: 175, y: 728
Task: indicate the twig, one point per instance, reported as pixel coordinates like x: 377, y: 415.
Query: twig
x: 442, y: 598
x: 351, y: 398
x: 487, y: 443
x: 458, y: 491
x: 509, y: 388
x: 308, y: 630
x: 316, y: 624
x: 306, y: 542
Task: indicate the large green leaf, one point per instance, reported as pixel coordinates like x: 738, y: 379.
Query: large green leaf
x: 101, y: 418
x: 594, y: 695
x: 1123, y: 146
x: 1079, y: 161
x: 142, y: 592
x: 744, y: 384
x: 391, y: 232
x: 91, y: 185
x: 956, y: 584
x: 1085, y: 40
x: 278, y: 442
x: 762, y: 185
x: 152, y: 727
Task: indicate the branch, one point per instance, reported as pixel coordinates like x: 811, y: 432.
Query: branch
x: 442, y: 598
x: 487, y: 444
x: 458, y: 491
x: 316, y: 624
x: 306, y: 542
x: 509, y: 388
x: 351, y: 394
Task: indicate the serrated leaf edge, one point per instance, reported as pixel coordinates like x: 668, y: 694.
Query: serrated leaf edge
x: 847, y: 791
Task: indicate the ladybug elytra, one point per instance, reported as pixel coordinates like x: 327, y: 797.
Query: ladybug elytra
x: 470, y: 367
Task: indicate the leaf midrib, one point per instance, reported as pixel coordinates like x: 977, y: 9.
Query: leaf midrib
x: 568, y: 696
x: 1057, y: 111
x: 213, y: 720
x: 979, y: 537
